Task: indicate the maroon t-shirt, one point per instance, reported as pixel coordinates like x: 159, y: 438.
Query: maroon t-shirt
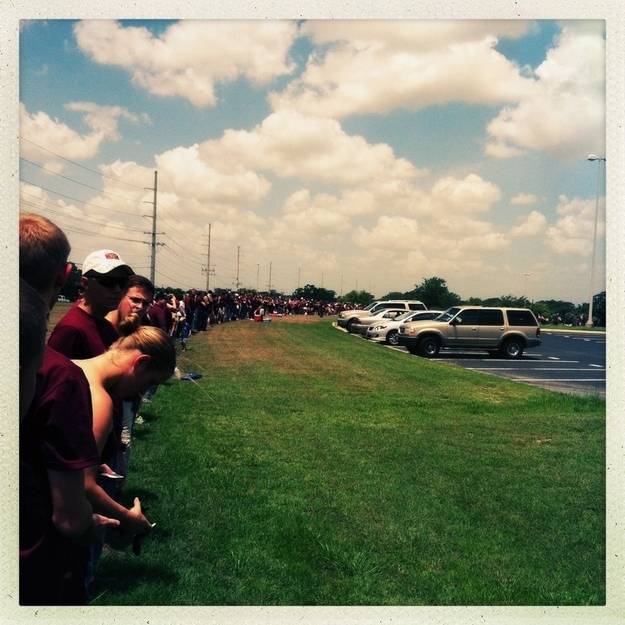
x: 160, y: 316
x: 79, y: 335
x: 57, y: 434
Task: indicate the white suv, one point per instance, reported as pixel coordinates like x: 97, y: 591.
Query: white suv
x: 348, y: 317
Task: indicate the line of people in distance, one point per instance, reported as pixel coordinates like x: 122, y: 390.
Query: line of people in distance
x: 78, y: 397
x: 201, y: 309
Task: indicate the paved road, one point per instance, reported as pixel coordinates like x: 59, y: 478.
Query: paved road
x: 572, y: 362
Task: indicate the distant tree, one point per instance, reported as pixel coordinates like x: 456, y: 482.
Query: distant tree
x: 310, y: 291
x: 510, y: 301
x: 71, y: 287
x: 394, y: 295
x: 473, y: 301
x: 358, y: 297
x: 434, y: 293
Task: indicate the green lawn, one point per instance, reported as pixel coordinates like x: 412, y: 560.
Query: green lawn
x: 311, y: 468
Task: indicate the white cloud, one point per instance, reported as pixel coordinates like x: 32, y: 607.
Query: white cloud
x: 290, y: 144
x: 396, y: 234
x: 469, y: 195
x: 377, y: 66
x: 524, y: 199
x: 532, y: 225
x: 40, y: 129
x: 191, y: 56
x: 187, y: 175
x: 572, y: 233
x: 563, y: 114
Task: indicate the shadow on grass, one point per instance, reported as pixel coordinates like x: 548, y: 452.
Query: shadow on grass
x: 119, y: 574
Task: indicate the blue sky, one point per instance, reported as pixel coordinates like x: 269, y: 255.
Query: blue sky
x: 376, y: 153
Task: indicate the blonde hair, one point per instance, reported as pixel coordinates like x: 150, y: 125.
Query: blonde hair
x: 44, y: 249
x: 152, y: 342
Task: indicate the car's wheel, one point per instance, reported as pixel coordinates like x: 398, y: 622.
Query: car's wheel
x: 392, y: 338
x: 428, y: 346
x: 350, y: 325
x: 512, y: 348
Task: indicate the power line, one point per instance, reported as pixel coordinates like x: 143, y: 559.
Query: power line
x: 89, y: 232
x: 99, y: 173
x: 84, y: 184
x: 99, y: 223
x: 75, y: 199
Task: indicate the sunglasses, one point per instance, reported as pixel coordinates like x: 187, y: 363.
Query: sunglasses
x: 110, y: 282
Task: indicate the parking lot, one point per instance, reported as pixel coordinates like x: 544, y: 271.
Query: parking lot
x: 567, y: 361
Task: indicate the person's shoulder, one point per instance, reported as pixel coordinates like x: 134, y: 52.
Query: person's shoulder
x: 58, y: 371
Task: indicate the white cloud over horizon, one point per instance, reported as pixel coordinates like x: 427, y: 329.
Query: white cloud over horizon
x: 57, y: 137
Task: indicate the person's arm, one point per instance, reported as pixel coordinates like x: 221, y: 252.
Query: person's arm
x: 72, y: 514
x: 131, y: 519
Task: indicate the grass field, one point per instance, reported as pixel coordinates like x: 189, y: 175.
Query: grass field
x: 310, y: 468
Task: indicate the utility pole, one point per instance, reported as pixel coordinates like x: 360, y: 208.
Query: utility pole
x: 341, y: 285
x: 257, y: 276
x: 238, y: 255
x: 153, y: 244
x: 209, y: 270
x: 299, y: 275
x: 269, y: 285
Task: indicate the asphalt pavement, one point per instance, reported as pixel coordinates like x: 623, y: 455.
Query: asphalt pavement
x: 570, y: 362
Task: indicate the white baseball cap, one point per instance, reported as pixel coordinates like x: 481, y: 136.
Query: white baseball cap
x: 104, y: 261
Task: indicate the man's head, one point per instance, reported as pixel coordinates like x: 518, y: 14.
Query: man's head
x: 136, y: 300
x: 44, y: 250
x: 104, y: 279
x: 33, y: 314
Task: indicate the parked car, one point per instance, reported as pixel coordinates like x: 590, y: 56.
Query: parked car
x: 387, y: 330
x: 508, y: 331
x: 384, y: 314
x: 349, y: 316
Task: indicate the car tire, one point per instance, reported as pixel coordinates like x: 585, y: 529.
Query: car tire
x: 392, y: 338
x: 349, y: 326
x: 512, y: 348
x: 428, y: 347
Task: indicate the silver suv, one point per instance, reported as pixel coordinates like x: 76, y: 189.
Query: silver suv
x: 498, y: 330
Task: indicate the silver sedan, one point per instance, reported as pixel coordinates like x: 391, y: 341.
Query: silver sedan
x: 385, y: 331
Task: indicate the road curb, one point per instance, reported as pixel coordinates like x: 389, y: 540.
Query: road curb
x: 571, y: 331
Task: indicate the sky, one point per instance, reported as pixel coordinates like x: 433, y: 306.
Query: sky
x: 345, y: 154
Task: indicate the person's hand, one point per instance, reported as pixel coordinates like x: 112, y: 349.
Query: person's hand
x: 103, y: 521
x: 136, y: 522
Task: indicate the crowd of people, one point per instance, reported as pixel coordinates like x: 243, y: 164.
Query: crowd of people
x: 80, y: 395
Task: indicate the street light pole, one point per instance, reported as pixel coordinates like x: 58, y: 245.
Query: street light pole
x: 593, y: 157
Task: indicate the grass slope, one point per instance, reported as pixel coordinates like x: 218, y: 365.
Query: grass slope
x: 310, y: 468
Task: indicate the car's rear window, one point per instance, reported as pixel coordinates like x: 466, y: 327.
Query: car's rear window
x: 417, y: 306
x: 521, y: 318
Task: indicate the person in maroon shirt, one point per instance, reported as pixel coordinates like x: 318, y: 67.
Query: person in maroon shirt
x: 84, y: 331
x: 56, y: 442
x: 159, y: 314
x: 33, y: 312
